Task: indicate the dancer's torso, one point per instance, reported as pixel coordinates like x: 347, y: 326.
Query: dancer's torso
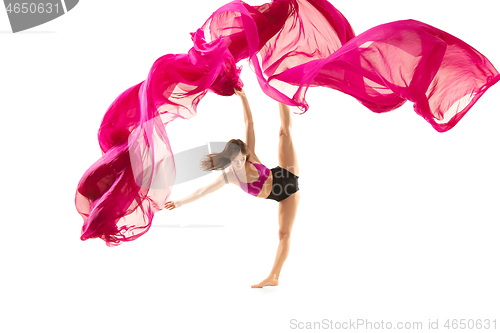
x: 251, y: 175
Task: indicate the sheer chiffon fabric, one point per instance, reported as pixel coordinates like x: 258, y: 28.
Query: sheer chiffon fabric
x: 290, y: 45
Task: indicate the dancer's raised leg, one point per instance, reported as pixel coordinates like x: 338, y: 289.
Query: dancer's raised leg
x: 287, y: 156
x: 287, y: 209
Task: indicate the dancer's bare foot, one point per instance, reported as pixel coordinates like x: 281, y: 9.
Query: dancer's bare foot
x: 269, y: 281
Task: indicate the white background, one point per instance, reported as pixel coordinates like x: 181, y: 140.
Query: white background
x: 397, y: 222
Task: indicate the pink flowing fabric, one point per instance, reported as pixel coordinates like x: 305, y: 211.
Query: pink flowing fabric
x: 291, y: 45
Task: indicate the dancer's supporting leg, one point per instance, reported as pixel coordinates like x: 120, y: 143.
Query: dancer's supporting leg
x: 287, y: 209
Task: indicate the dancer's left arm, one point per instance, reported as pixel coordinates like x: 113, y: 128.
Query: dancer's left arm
x: 199, y: 193
x: 247, y: 114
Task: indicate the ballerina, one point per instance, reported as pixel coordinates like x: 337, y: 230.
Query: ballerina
x: 246, y: 170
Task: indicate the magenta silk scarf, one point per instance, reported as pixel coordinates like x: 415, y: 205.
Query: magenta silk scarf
x: 291, y: 45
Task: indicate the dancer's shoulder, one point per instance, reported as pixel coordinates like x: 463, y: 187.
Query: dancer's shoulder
x: 230, y: 175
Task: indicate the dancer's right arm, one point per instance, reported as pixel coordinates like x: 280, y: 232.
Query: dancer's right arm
x: 247, y: 115
x: 199, y: 193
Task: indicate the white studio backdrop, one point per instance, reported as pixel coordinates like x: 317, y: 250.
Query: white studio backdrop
x: 397, y: 222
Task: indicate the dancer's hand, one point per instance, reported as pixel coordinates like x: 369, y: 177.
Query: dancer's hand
x: 240, y: 93
x: 172, y: 204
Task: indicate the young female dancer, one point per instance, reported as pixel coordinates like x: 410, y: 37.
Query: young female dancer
x: 246, y: 171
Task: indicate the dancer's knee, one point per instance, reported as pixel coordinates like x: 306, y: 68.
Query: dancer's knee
x: 284, y: 235
x: 286, y: 130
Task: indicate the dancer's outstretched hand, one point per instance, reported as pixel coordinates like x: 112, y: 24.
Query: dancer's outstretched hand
x: 240, y: 93
x: 172, y: 204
